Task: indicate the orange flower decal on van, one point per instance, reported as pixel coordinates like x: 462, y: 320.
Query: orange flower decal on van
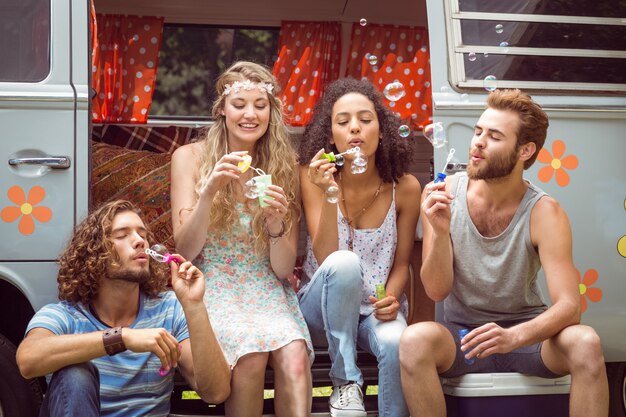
x: 26, y: 208
x: 584, y: 286
x: 556, y: 163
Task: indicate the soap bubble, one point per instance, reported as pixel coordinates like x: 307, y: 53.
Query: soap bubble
x: 251, y: 190
x: 436, y: 134
x: 471, y: 56
x: 505, y: 46
x: 372, y: 59
x: 404, y: 131
x: 394, y: 91
x: 445, y: 89
x: 363, y: 22
x: 490, y: 83
x: 339, y: 160
x: 359, y: 163
x: 499, y: 28
x: 486, y: 55
x: 332, y: 193
x: 158, y: 252
x: 464, y: 97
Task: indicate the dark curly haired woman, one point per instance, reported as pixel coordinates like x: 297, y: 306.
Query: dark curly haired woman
x: 360, y: 242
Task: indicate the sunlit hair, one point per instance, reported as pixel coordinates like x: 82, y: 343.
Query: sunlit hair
x: 533, y: 121
x: 273, y: 153
x: 84, y: 262
x: 394, y: 152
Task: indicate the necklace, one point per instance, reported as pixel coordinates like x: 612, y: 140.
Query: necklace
x: 350, y: 221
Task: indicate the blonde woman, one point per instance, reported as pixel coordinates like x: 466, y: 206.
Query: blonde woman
x: 246, y: 252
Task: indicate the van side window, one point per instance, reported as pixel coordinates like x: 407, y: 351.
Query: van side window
x: 24, y: 40
x: 192, y: 57
x: 534, y: 44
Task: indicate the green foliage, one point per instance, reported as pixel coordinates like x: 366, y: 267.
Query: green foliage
x: 192, y: 57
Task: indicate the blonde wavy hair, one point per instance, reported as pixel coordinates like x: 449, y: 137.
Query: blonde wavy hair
x: 273, y: 153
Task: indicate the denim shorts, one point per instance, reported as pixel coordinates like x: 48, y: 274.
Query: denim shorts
x: 525, y: 360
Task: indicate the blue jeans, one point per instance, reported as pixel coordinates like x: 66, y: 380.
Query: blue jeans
x: 73, y: 391
x: 330, y: 305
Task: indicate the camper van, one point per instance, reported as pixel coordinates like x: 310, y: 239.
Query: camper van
x: 95, y: 95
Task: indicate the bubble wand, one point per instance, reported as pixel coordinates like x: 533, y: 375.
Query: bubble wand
x: 338, y: 159
x: 160, y: 253
x: 441, y: 176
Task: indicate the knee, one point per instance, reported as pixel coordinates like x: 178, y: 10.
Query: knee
x: 345, y: 269
x: 81, y: 379
x: 586, y: 350
x: 296, y: 364
x: 253, y: 364
x: 417, y: 342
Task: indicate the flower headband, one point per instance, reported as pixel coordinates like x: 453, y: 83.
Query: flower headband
x: 247, y: 85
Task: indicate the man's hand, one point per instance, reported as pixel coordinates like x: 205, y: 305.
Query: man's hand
x: 187, y: 281
x: 385, y: 309
x: 488, y: 339
x: 158, y: 341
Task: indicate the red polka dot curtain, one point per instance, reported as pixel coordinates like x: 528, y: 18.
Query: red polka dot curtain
x: 309, y: 58
x: 388, y: 55
x: 124, y: 65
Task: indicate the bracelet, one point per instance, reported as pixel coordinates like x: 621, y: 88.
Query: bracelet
x: 280, y: 234
x: 113, y: 342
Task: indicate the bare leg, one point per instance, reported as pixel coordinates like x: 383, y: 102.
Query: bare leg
x: 577, y: 350
x: 292, y: 380
x: 426, y: 350
x: 247, y: 381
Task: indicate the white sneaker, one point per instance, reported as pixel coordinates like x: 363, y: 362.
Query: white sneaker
x: 347, y: 401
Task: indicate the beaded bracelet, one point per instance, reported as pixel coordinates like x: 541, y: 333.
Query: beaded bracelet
x: 280, y: 234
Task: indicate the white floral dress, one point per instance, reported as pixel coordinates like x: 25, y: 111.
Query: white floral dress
x: 250, y: 309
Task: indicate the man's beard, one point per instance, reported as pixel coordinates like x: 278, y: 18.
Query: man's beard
x: 497, y: 167
x: 138, y: 277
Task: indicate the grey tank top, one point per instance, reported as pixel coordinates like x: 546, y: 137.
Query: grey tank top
x: 495, y: 278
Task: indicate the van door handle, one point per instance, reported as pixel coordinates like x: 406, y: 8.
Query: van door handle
x: 54, y: 162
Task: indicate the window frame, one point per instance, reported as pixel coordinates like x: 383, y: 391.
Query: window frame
x: 456, y: 51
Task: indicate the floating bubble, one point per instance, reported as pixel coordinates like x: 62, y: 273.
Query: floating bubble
x: 363, y: 22
x: 394, y: 91
x: 490, y: 83
x: 372, y: 59
x: 445, y: 89
x: 486, y: 55
x: 339, y: 160
x: 464, y: 97
x: 471, y: 56
x: 359, y: 163
x: 251, y: 190
x: 332, y: 193
x: 504, y: 44
x: 499, y: 28
x: 435, y: 134
x: 404, y: 131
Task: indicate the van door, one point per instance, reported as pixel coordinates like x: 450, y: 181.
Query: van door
x: 43, y: 114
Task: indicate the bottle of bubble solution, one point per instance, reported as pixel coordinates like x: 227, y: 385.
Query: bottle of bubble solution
x: 380, y: 291
x: 462, y: 333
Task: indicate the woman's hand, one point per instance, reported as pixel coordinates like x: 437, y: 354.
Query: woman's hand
x: 278, y: 207
x: 321, y: 171
x: 385, y: 309
x: 223, y: 172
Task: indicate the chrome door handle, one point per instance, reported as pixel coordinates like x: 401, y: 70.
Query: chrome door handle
x: 54, y: 162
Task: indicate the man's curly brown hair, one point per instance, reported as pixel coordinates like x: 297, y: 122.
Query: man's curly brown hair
x: 84, y: 262
x: 394, y: 153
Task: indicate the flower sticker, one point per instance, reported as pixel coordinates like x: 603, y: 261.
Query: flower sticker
x: 26, y: 209
x: 584, y: 286
x: 556, y: 163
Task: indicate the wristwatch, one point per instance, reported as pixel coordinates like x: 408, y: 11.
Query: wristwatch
x: 113, y: 342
